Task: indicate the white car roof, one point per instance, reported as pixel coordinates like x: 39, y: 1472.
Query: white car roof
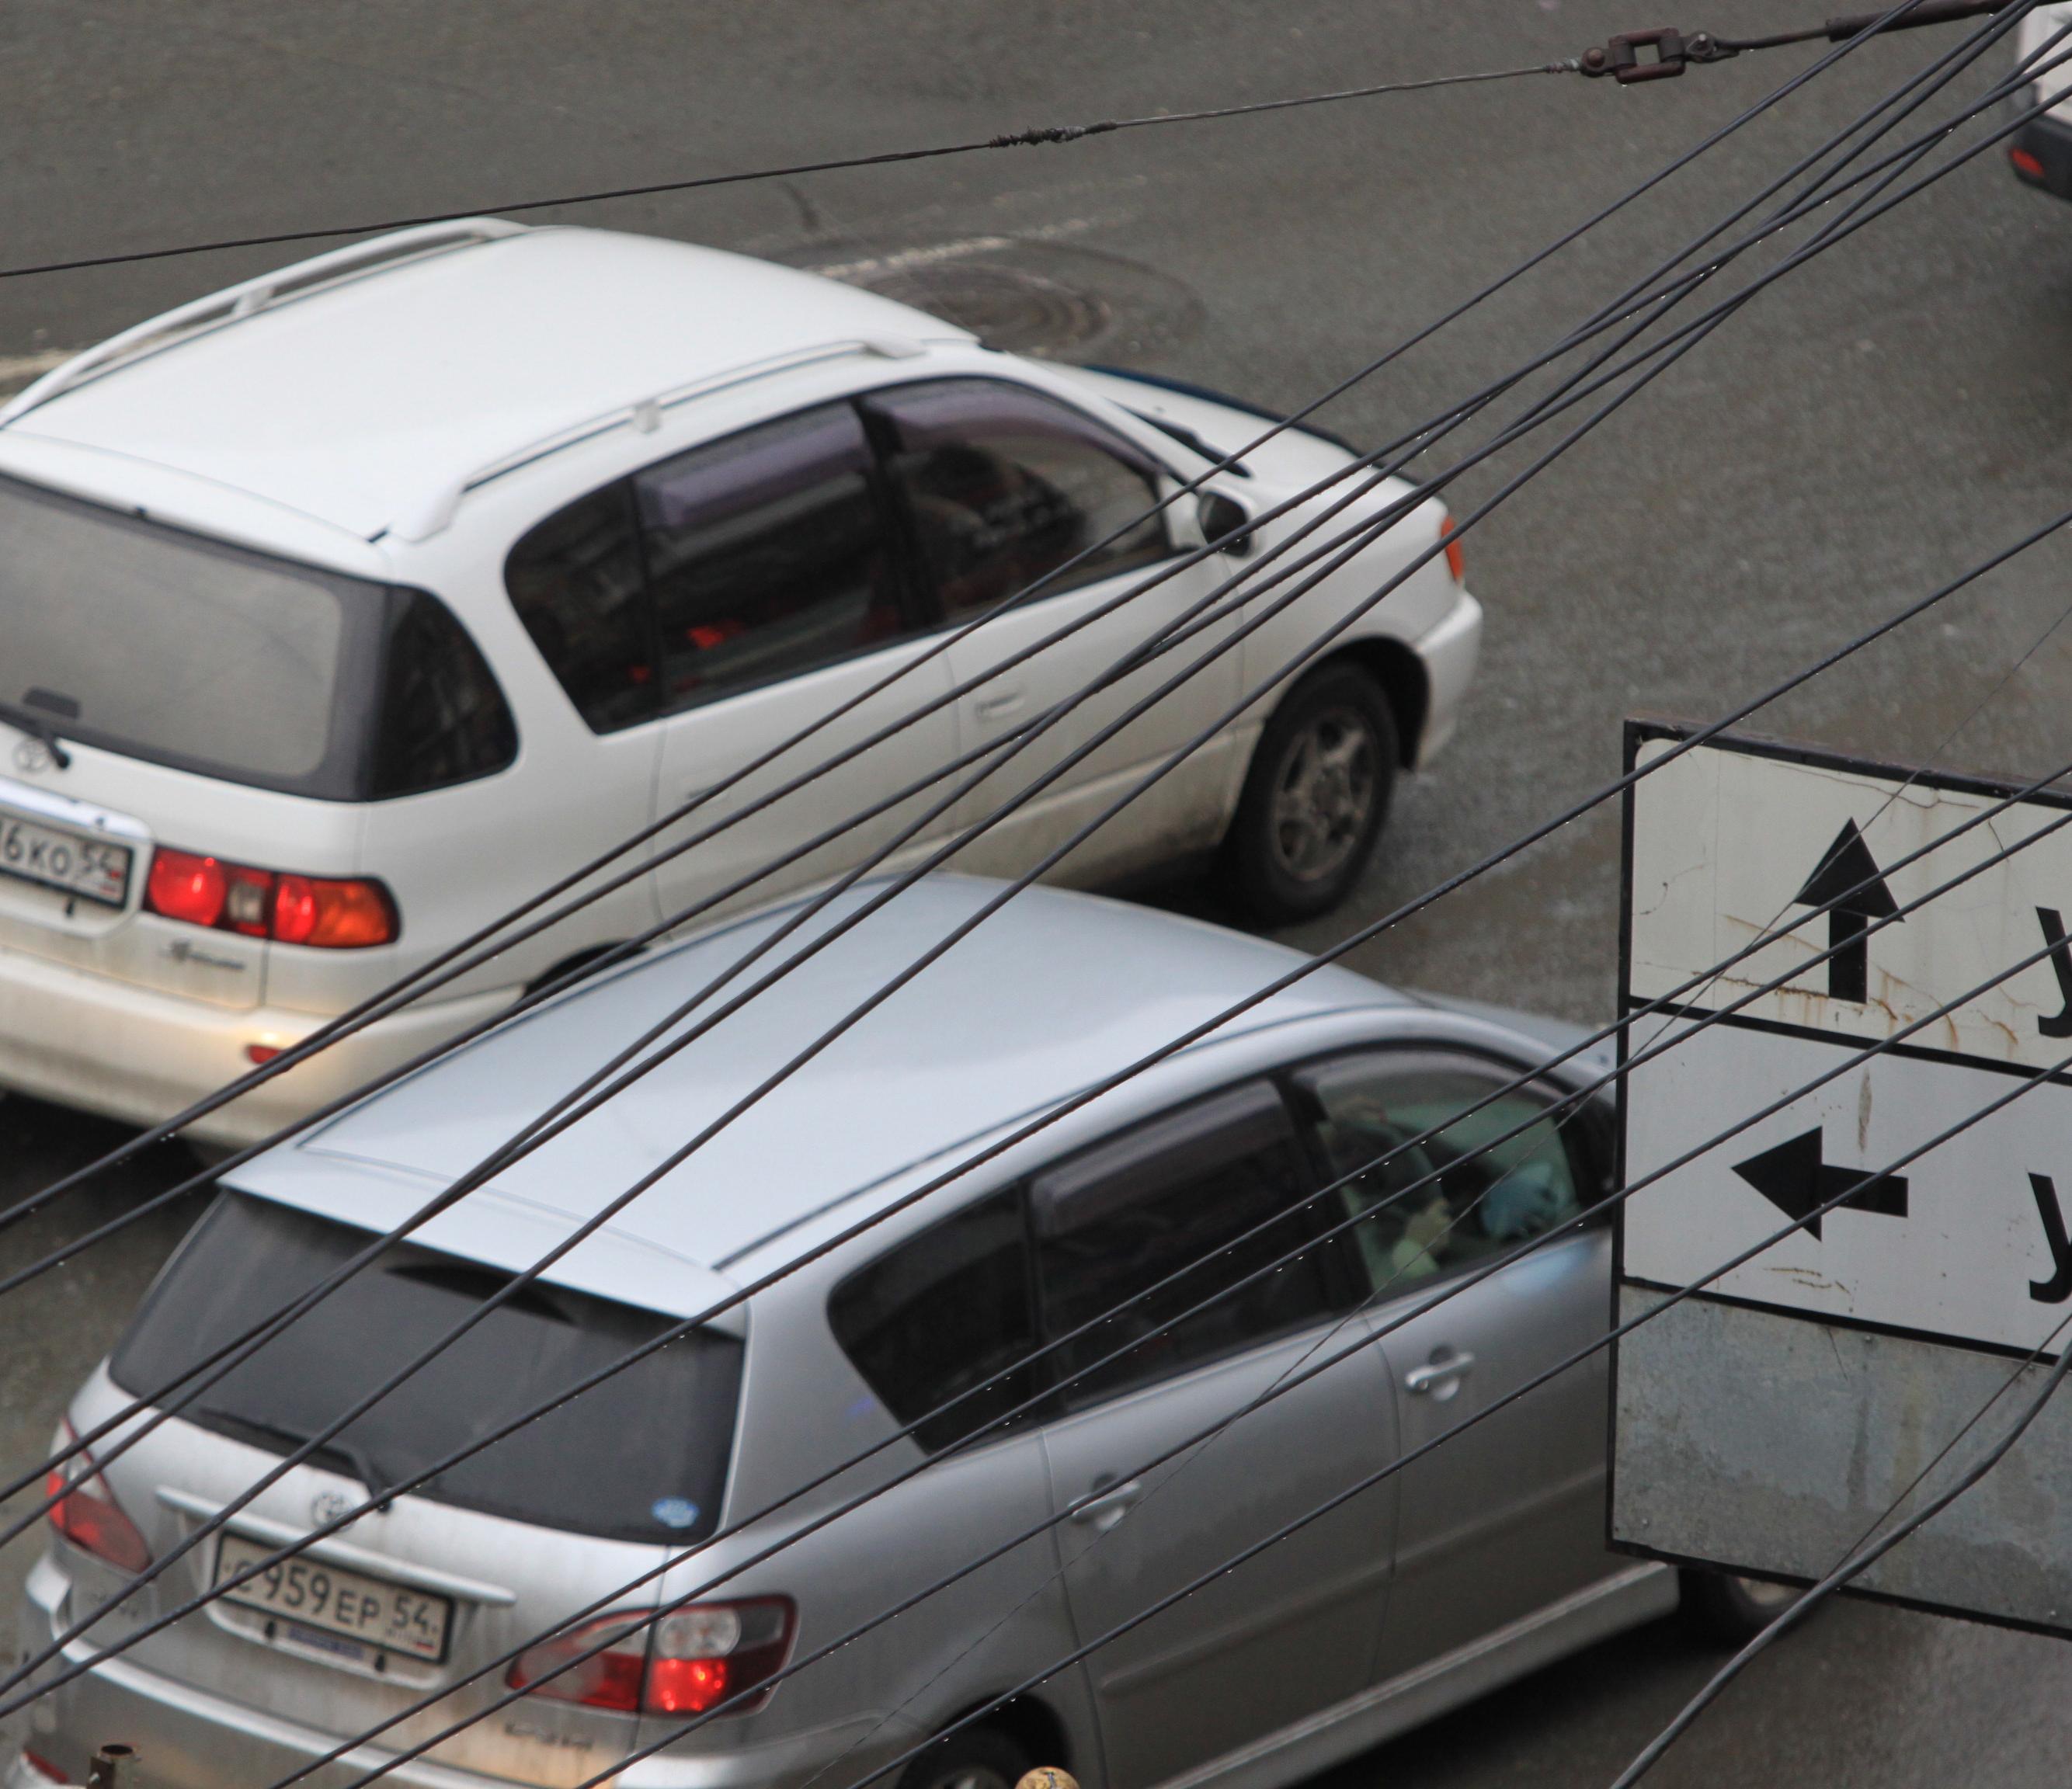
x: 359, y: 401
x: 1043, y: 999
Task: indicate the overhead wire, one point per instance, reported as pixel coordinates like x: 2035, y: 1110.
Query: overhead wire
x: 648, y: 936
x: 1573, y: 1100
x: 1037, y: 136
x: 2025, y: 1082
x: 84, y: 1441
x: 455, y: 961
x: 660, y: 1340
x: 1707, y: 46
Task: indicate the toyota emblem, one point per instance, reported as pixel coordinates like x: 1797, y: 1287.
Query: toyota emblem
x: 328, y: 1506
x: 33, y: 756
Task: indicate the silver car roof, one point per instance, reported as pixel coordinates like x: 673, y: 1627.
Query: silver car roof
x: 1043, y: 999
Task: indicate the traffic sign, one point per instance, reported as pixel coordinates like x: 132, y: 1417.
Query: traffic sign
x: 1736, y: 838
x: 1965, y: 1243
x: 1765, y: 1422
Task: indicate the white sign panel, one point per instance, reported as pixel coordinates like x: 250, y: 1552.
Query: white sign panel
x: 1966, y: 1241
x: 1728, y: 843
x: 1765, y: 1422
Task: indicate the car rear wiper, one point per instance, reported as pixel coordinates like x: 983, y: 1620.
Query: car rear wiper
x: 377, y: 1482
x: 38, y: 726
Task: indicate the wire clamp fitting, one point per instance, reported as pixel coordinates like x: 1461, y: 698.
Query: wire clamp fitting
x: 1620, y: 58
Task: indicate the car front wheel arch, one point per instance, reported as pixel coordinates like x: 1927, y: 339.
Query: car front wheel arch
x: 1403, y: 678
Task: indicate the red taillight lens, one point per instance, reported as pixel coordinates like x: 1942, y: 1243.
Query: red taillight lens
x: 2026, y: 163
x: 330, y: 913
x: 87, y: 1514
x: 183, y: 886
x: 685, y: 1662
x: 337, y: 915
x: 1456, y: 563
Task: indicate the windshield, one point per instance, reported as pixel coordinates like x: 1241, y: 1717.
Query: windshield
x: 641, y: 1457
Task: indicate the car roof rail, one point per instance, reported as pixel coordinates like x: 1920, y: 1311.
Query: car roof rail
x: 235, y: 303
x: 644, y: 416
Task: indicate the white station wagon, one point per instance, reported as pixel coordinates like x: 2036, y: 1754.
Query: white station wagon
x: 343, y: 609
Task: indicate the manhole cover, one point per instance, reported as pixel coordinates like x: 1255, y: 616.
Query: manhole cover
x: 1004, y: 307
x: 1026, y: 297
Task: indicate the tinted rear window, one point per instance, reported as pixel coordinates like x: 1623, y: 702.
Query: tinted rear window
x: 929, y: 1322
x: 164, y: 645
x: 642, y: 1457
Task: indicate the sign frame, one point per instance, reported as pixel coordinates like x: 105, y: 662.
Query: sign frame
x: 1951, y: 1395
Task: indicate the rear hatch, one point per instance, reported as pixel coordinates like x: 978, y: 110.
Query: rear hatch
x: 210, y: 699
x: 501, y: 1548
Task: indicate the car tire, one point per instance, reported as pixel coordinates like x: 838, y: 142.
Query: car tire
x: 1730, y: 1610
x: 978, y: 1758
x: 1315, y: 797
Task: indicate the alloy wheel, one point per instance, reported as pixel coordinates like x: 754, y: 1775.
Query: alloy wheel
x: 1324, y: 795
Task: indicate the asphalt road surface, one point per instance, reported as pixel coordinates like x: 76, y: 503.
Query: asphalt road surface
x: 1881, y: 419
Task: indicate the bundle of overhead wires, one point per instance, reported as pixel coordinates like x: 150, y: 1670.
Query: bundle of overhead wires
x: 1618, y: 361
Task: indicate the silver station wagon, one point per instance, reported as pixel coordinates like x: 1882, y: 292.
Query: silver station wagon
x: 1100, y: 1234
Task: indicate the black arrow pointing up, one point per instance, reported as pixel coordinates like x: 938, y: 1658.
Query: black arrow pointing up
x: 1793, y: 1178
x: 1848, y: 877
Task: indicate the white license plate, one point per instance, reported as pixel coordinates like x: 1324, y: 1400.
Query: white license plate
x: 310, y: 1593
x: 94, y: 869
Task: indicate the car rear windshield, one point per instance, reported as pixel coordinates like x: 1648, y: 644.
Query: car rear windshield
x: 641, y: 1456
x: 122, y: 632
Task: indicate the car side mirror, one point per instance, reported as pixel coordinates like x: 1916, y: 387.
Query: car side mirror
x: 1221, y: 515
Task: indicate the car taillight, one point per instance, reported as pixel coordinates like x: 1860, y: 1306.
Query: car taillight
x: 1455, y: 562
x: 332, y: 912
x: 86, y: 1512
x: 684, y: 1663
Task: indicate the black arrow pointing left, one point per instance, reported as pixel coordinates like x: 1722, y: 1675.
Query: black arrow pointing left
x: 1793, y: 1178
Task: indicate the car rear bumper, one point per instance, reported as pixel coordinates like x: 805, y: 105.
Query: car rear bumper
x: 139, y: 1056
x: 1449, y: 649
x: 188, y: 1739
x: 2041, y: 154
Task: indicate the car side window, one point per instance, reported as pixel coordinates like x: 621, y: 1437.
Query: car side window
x: 1205, y: 1197
x: 443, y: 719
x: 575, y: 581
x: 768, y: 555
x: 941, y: 1314
x: 1430, y: 1205
x: 1003, y: 485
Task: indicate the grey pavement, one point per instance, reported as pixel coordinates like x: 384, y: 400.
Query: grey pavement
x: 1881, y: 419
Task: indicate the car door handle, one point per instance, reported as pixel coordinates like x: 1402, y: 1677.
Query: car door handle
x: 1000, y: 704
x: 1109, y: 1508
x: 1429, y: 1377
